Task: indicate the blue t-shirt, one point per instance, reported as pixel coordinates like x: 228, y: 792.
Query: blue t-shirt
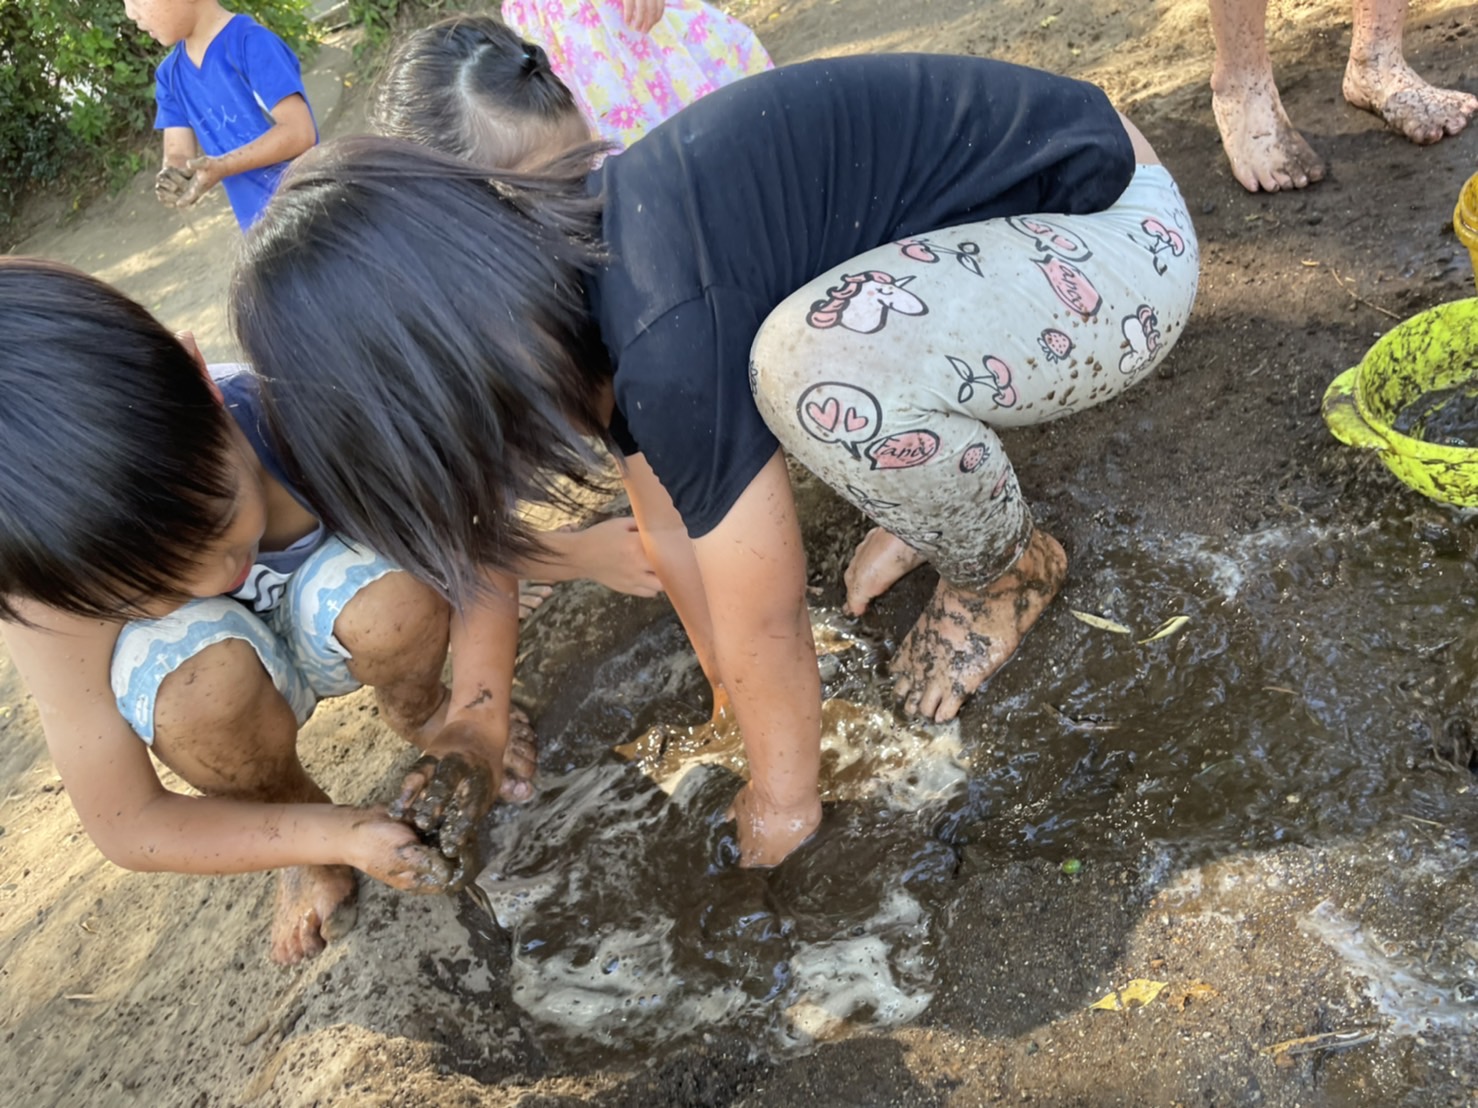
x: 247, y: 71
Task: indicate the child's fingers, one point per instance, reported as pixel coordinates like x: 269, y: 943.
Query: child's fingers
x: 410, y: 788
x: 420, y: 869
x: 520, y: 757
x: 468, y: 803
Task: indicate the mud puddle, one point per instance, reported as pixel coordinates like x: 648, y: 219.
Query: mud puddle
x: 1316, y: 694
x: 630, y: 925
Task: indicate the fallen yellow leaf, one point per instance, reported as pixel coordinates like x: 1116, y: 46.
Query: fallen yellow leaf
x: 1169, y: 627
x: 1137, y: 993
x: 1098, y: 621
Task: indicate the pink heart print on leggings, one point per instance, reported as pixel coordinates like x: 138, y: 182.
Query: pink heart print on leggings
x: 839, y: 413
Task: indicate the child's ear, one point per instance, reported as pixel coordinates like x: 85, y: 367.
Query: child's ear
x: 187, y: 340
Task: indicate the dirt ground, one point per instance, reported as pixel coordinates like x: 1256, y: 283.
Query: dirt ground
x: 119, y: 988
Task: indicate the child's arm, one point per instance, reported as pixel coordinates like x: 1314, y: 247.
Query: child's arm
x: 140, y: 825
x: 447, y: 792
x: 610, y: 553
x: 174, y: 176
x: 752, y: 633
x: 753, y: 567
x: 671, y: 554
x: 292, y: 132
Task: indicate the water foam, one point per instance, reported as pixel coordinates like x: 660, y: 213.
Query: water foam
x: 627, y: 928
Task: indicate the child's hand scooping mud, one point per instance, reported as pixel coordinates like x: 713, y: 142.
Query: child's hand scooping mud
x: 171, y: 184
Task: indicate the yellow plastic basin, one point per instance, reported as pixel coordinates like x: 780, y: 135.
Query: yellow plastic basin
x: 1433, y: 351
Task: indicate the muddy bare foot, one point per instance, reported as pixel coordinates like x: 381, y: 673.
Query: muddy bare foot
x: 1392, y: 90
x: 1265, y: 149
x: 879, y: 562
x: 315, y: 906
x: 963, y: 637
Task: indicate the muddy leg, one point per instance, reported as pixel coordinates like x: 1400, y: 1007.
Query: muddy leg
x: 1265, y: 150
x: 964, y: 636
x: 1378, y: 80
x: 396, y: 630
x: 221, y: 725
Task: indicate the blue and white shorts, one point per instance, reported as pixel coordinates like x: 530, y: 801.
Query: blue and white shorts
x: 295, y: 639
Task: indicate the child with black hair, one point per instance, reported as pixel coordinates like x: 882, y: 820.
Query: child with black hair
x: 633, y: 63
x: 869, y: 263
x: 469, y: 86
x: 163, y: 579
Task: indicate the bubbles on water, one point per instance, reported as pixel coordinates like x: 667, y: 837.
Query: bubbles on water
x: 1406, y: 992
x: 629, y: 927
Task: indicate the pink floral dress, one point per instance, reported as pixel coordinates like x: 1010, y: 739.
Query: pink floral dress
x: 626, y: 83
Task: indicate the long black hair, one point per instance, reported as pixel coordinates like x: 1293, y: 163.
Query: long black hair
x: 427, y: 356
x: 472, y: 87
x: 115, y: 456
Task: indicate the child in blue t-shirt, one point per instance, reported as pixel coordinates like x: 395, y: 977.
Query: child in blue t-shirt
x: 230, y: 103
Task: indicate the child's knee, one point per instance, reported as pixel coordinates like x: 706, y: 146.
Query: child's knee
x: 395, y: 620
x: 222, y: 690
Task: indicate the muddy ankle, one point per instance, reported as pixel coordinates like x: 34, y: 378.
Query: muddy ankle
x: 964, y: 637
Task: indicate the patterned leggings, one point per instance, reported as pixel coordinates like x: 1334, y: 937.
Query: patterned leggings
x: 885, y: 376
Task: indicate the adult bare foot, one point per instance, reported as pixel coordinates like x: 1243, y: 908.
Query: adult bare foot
x: 963, y: 637
x: 880, y: 560
x: 1265, y: 149
x: 1392, y: 90
x: 315, y: 906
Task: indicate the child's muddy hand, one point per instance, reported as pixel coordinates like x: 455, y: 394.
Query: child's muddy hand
x: 445, y: 797
x: 768, y: 831
x: 391, y: 852
x: 520, y: 760
x: 171, y: 184
x: 205, y: 174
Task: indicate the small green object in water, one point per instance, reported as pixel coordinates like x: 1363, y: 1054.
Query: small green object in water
x: 1072, y: 867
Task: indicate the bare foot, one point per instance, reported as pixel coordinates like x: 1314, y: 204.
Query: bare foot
x: 963, y: 637
x: 1265, y: 149
x: 1392, y: 90
x: 880, y: 560
x: 531, y: 594
x: 315, y: 906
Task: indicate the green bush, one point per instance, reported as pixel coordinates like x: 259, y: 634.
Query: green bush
x: 77, y: 88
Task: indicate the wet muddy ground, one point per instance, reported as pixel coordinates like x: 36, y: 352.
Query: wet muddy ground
x: 1269, y: 809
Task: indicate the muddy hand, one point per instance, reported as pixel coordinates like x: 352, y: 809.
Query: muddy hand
x: 444, y: 798
x: 393, y: 853
x: 205, y: 174
x: 171, y: 183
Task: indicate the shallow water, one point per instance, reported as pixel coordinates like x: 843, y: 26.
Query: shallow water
x: 1319, y: 688
x: 631, y: 926
x: 1448, y: 417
